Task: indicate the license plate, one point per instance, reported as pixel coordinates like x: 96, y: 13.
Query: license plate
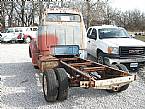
x: 133, y: 64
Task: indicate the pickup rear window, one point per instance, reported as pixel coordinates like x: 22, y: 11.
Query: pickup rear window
x: 65, y: 17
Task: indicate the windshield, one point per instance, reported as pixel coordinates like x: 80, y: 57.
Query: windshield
x: 65, y: 17
x: 113, y: 33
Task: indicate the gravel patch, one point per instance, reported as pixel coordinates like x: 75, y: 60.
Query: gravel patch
x: 20, y: 87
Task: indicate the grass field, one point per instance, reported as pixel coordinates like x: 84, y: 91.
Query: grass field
x: 140, y: 38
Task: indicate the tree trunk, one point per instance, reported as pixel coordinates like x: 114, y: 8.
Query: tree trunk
x: 23, y: 12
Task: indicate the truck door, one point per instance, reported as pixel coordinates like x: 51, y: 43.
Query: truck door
x: 92, y: 42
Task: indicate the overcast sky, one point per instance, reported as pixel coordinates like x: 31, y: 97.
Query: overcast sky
x: 128, y: 4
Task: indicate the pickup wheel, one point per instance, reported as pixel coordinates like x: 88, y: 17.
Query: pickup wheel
x: 100, y: 58
x: 62, y: 78
x: 50, y: 86
x: 123, y: 88
x: 124, y: 68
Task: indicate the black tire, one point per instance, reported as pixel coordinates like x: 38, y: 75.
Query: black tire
x: 100, y: 58
x: 123, y: 88
x: 120, y: 89
x: 108, y: 90
x: 63, y: 84
x: 36, y: 67
x: 123, y: 68
x: 114, y: 66
x: 51, y: 85
x: 30, y: 55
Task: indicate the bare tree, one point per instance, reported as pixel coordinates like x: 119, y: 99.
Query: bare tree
x: 7, y: 9
x: 24, y: 13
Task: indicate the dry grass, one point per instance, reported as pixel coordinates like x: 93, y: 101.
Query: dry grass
x: 142, y: 38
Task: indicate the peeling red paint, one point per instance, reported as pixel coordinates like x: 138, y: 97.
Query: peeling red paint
x: 46, y: 41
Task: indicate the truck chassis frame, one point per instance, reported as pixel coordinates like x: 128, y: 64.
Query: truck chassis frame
x: 83, y: 73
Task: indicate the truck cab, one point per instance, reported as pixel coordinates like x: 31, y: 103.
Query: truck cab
x: 59, y: 32
x: 112, y: 45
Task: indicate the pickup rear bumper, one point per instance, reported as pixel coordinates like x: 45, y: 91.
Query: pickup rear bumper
x: 110, y: 61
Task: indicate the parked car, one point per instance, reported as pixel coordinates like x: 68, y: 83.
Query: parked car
x: 112, y: 45
x: 10, y: 34
x: 16, y: 34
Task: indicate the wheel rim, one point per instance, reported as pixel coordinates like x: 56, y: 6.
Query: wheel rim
x: 45, y: 85
x: 28, y: 39
x: 100, y: 59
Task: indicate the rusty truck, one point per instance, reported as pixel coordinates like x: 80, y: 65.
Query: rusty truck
x: 59, y: 52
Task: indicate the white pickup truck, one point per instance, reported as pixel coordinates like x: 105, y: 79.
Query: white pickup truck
x: 112, y: 45
x: 10, y: 34
x: 7, y: 37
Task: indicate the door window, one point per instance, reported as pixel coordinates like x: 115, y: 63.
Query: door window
x: 93, y: 34
x: 89, y: 32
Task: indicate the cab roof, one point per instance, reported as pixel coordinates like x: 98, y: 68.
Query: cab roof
x: 62, y: 10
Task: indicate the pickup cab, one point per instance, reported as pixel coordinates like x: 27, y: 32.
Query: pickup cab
x: 112, y: 45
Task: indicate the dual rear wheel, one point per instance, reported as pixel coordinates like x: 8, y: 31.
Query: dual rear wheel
x: 55, y: 85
